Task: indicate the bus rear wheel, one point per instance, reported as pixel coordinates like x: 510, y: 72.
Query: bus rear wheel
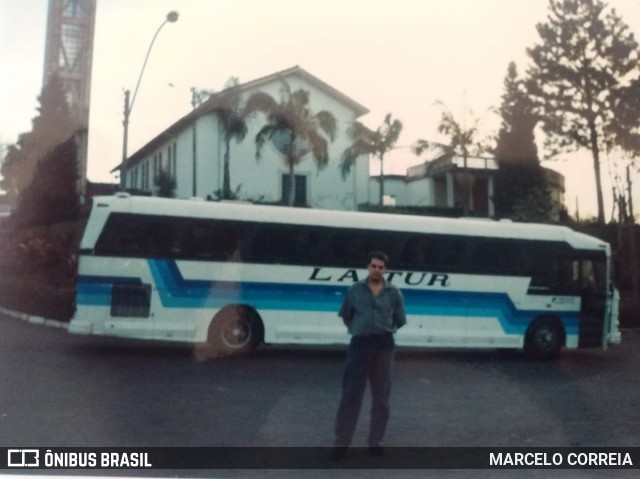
x: 234, y: 330
x: 544, y: 338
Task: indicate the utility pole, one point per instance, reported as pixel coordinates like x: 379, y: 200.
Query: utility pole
x: 172, y: 17
x: 632, y: 238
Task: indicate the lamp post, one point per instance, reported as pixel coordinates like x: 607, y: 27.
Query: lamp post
x: 172, y: 17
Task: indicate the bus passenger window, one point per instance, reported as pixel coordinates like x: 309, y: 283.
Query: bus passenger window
x: 351, y: 247
x: 213, y: 240
x: 319, y: 247
x: 487, y: 257
x: 280, y: 244
x: 414, y: 254
x: 196, y: 243
x: 447, y: 254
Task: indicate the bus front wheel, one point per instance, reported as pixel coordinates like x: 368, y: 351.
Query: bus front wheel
x: 234, y: 330
x: 544, y: 338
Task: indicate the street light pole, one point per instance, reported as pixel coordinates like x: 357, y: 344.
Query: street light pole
x: 172, y: 17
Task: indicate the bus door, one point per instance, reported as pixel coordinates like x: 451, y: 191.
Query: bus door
x: 130, y: 311
x: 589, y: 275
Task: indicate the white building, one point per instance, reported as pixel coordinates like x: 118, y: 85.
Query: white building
x: 440, y: 184
x: 192, y: 149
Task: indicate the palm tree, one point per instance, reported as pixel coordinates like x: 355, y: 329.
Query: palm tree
x: 462, y: 142
x: 296, y: 127
x: 368, y: 142
x: 227, y: 108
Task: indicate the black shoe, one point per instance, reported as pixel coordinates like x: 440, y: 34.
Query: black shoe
x: 377, y: 451
x: 338, y: 453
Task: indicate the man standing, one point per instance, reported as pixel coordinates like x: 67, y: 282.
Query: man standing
x: 372, y: 310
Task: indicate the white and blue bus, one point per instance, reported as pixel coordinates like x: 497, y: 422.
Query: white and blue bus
x: 232, y: 276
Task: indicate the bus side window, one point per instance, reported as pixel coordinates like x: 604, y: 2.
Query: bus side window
x: 447, y: 254
x: 229, y: 245
x: 162, y: 238
x: 281, y: 244
x: 575, y: 275
x: 213, y: 240
x: 351, y: 248
x: 548, y: 266
x: 414, y: 254
x: 196, y: 242
x: 319, y: 247
x: 122, y: 236
x: 486, y: 257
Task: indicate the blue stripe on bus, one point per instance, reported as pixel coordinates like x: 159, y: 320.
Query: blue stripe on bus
x: 478, y: 305
x: 96, y: 290
x: 177, y: 292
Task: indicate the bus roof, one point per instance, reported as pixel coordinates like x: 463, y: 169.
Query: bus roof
x: 229, y: 210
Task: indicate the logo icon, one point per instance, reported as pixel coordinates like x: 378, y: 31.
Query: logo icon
x: 23, y: 458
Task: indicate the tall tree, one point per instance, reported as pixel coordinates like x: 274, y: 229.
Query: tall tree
x: 227, y: 108
x: 368, y: 142
x: 298, y: 130
x: 520, y: 189
x: 516, y: 138
x: 52, y: 195
x: 463, y: 141
x: 579, y: 71
x: 625, y: 150
x: 53, y: 126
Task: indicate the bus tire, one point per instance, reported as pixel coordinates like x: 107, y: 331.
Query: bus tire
x: 544, y: 339
x: 235, y: 330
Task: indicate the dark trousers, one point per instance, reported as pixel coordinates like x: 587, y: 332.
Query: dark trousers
x: 368, y: 357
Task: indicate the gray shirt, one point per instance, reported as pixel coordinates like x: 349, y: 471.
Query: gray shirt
x: 365, y: 314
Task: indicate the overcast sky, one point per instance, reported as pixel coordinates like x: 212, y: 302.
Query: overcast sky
x: 398, y: 56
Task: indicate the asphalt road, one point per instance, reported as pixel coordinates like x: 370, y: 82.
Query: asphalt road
x: 59, y: 390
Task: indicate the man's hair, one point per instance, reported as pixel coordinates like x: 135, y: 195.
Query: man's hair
x: 379, y: 255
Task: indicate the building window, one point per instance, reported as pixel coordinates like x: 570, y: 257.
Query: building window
x: 300, y: 192
x: 134, y: 179
x: 145, y: 175
x: 173, y: 158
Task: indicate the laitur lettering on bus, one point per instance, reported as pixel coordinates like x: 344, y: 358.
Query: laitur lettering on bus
x: 411, y: 278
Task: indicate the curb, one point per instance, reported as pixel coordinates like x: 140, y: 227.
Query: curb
x: 52, y: 323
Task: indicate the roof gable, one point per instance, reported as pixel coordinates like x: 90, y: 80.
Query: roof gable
x: 312, y: 80
x: 213, y: 102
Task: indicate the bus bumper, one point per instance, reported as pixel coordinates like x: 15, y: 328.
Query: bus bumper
x: 614, y: 336
x: 79, y: 327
